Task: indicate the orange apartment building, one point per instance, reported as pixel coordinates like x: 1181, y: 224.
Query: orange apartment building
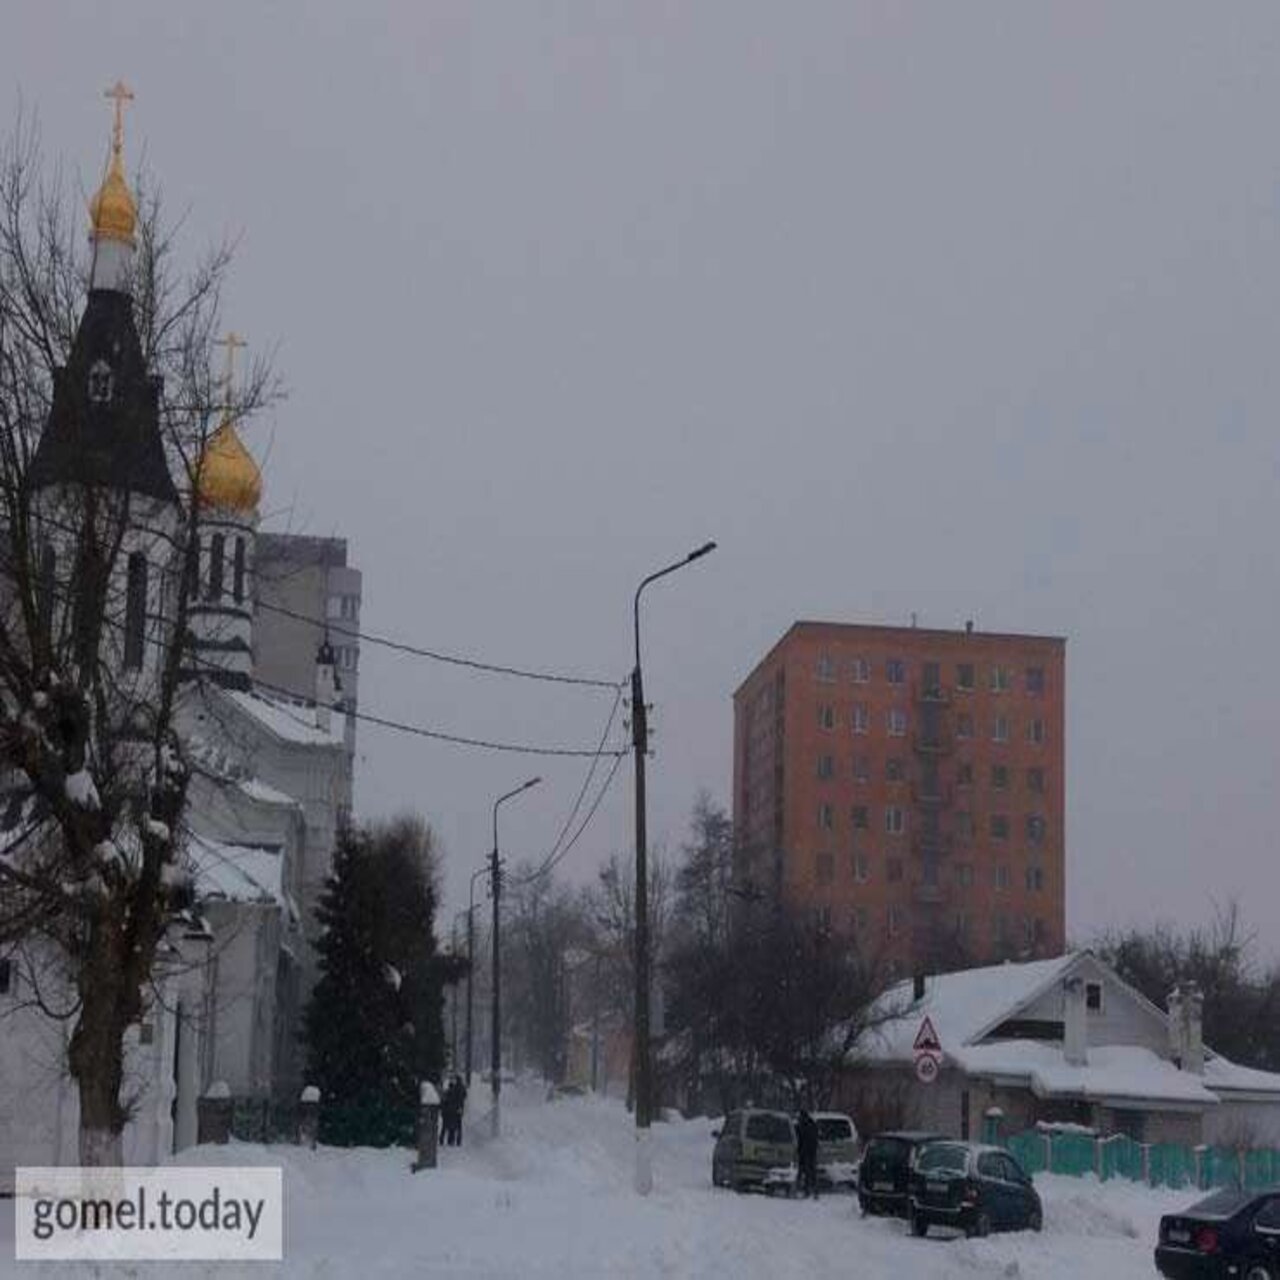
x: 907, y: 786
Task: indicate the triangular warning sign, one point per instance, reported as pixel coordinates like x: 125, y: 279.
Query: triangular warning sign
x: 927, y: 1038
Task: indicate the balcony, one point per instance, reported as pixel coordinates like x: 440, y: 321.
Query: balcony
x: 931, y: 795
x: 936, y: 742
x: 929, y: 895
x: 934, y: 693
x: 933, y: 843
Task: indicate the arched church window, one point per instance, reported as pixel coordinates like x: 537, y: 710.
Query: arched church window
x: 100, y: 382
x: 135, y: 611
x: 48, y: 585
x: 217, y: 549
x: 238, y: 580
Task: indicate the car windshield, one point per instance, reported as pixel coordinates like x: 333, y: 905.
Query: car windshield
x: 769, y: 1128
x: 834, y: 1129
x: 934, y: 1159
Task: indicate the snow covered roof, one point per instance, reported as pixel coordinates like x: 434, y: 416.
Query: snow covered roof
x: 238, y: 872
x: 288, y: 720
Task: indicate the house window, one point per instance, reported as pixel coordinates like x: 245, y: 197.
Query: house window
x: 826, y: 767
x: 135, y: 611
x: 1035, y: 879
x: 826, y: 817
x: 217, y: 548
x: 999, y: 776
x: 999, y: 826
x: 237, y: 573
x: 893, y: 870
x: 895, y: 821
x: 824, y: 868
x: 964, y: 774
x: 862, y: 768
x: 964, y: 725
x: 895, y: 769
x: 1000, y: 729
x: 826, y: 716
x: 1035, y: 679
x: 1035, y: 780
x: 1036, y: 828
x: 826, y: 670
x: 1035, y: 730
x: 860, y: 670
x: 861, y: 718
x: 964, y: 676
x: 1000, y: 680
x: 897, y: 721
x: 861, y: 817
x: 861, y: 868
x: 895, y: 671
x: 1002, y: 877
x: 1093, y: 997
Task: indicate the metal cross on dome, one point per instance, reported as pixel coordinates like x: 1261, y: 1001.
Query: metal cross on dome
x: 121, y: 93
x: 232, y: 342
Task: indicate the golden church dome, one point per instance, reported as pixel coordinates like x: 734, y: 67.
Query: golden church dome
x: 113, y: 212
x: 229, y: 477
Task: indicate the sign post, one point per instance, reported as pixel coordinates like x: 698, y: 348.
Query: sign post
x: 927, y: 1052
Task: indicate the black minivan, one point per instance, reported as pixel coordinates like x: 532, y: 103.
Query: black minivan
x: 976, y: 1188
x: 883, y: 1175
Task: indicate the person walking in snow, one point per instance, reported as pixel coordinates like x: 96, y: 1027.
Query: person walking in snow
x: 449, y: 1114
x: 807, y: 1153
x: 461, y: 1107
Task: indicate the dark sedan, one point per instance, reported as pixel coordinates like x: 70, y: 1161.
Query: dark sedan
x: 1229, y: 1233
x: 977, y: 1189
x: 883, y: 1175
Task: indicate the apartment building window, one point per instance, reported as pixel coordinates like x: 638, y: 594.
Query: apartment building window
x: 931, y: 680
x: 964, y: 875
x: 895, y: 919
x: 861, y: 718
x: 964, y: 725
x: 824, y: 868
x: 1036, y: 828
x: 964, y: 774
x: 860, y: 670
x: 826, y: 768
x: 929, y: 871
x: 861, y: 868
x: 1035, y: 879
x: 826, y: 817
x: 826, y: 716
x: 858, y: 919
x: 897, y: 722
x: 1001, y: 681
x: 1000, y: 729
x: 1028, y: 932
x: 999, y: 826
x: 1000, y: 776
x: 895, y: 769
x: 1000, y: 929
x: 861, y: 817
x: 895, y: 820
x: 862, y: 768
x: 964, y: 677
x: 826, y: 670
x: 1002, y: 877
x: 1035, y: 679
x: 965, y: 829
x: 1035, y: 730
x: 893, y: 870
x: 962, y: 925
x: 895, y: 671
x: 1035, y: 780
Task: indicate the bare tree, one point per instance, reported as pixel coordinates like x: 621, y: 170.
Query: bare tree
x: 96, y: 566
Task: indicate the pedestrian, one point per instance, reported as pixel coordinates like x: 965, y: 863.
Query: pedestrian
x: 807, y: 1153
x: 446, y: 1115
x: 461, y: 1096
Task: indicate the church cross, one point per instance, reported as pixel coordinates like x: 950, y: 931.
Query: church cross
x: 232, y: 341
x: 122, y: 94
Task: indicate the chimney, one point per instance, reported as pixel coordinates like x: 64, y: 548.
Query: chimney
x: 1177, y: 1040
x: 917, y: 988
x: 1193, y: 1029
x: 326, y: 685
x: 1075, y: 1036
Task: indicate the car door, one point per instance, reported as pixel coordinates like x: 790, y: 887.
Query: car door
x: 991, y: 1187
x: 725, y: 1152
x: 1018, y: 1189
x: 1266, y: 1233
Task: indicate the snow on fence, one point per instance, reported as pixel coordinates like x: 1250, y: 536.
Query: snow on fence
x: 1075, y: 1153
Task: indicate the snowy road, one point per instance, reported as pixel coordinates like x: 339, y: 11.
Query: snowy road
x: 553, y: 1199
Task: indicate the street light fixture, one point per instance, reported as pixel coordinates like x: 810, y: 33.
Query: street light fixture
x: 471, y: 957
x: 495, y: 871
x: 640, y: 741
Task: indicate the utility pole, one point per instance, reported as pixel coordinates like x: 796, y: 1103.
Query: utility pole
x: 640, y: 742
x: 495, y: 1050
x: 471, y: 958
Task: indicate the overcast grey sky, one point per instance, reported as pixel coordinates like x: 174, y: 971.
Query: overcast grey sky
x: 968, y: 309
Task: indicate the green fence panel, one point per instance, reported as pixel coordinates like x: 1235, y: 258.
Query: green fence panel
x: 1171, y: 1164
x: 1119, y: 1156
x: 1072, y: 1154
x: 1261, y: 1169
x: 1030, y: 1150
x: 1219, y: 1167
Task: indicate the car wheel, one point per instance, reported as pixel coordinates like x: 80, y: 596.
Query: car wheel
x: 981, y: 1226
x: 919, y: 1226
x: 1259, y: 1271
x: 1036, y: 1220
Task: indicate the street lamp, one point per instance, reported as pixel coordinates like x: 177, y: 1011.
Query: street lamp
x: 640, y: 740
x: 495, y: 871
x: 471, y: 957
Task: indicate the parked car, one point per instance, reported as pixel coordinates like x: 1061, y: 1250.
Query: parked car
x: 978, y: 1189
x: 883, y: 1173
x: 755, y: 1148
x: 1228, y: 1233
x: 837, y: 1149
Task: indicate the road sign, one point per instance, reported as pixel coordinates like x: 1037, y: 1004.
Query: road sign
x: 927, y: 1039
x: 926, y: 1068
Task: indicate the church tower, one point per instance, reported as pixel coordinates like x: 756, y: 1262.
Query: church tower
x: 228, y: 488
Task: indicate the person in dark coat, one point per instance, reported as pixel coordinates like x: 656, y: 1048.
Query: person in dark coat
x: 807, y: 1153
x: 460, y: 1105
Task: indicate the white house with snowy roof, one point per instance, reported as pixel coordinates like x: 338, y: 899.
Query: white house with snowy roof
x: 1061, y: 1041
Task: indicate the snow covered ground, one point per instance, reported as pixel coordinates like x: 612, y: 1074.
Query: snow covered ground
x: 553, y: 1198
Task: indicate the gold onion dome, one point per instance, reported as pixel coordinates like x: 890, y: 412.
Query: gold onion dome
x: 229, y: 477
x: 113, y: 211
